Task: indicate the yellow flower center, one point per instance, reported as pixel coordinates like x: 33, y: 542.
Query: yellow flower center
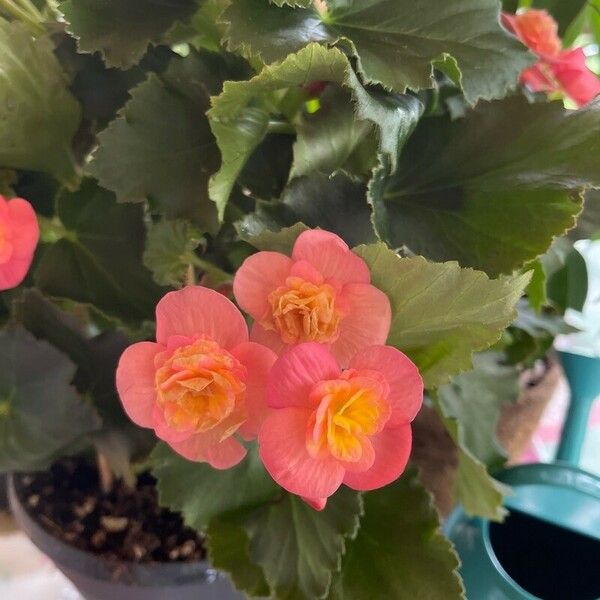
x: 302, y: 311
x: 348, y: 410
x: 199, y: 386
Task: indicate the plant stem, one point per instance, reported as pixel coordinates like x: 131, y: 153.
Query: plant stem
x: 216, y: 274
x: 105, y: 473
x: 52, y: 230
x: 280, y: 127
x: 11, y: 8
x: 190, y: 276
x: 28, y: 6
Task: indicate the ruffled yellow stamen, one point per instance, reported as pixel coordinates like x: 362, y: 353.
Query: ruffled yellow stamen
x: 302, y: 311
x: 199, y: 386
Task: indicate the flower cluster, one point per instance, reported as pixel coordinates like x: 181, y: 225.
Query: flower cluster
x: 557, y: 70
x: 313, y: 380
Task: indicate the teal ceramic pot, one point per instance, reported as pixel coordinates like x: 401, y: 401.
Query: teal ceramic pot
x: 583, y: 375
x: 548, y: 547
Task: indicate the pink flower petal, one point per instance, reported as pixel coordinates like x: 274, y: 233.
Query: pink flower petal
x: 19, y: 222
x: 197, y: 310
x: 304, y: 270
x: 25, y: 228
x: 509, y: 21
x: 282, y: 441
x: 164, y: 431
x: 392, y: 450
x: 135, y: 382
x: 367, y: 322
x: 575, y: 78
x: 207, y: 447
x: 6, y: 251
x: 406, y: 385
x: 330, y: 255
x: 296, y: 372
x: 258, y: 360
x: 316, y: 503
x: 3, y: 207
x: 535, y: 28
x: 13, y: 272
x: 258, y: 276
x: 536, y: 80
x: 269, y: 338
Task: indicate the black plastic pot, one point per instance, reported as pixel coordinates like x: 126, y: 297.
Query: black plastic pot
x: 98, y: 579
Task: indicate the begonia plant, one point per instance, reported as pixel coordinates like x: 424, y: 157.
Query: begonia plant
x: 243, y: 242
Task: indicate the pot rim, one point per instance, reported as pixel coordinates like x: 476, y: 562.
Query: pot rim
x: 487, y: 542
x: 96, y: 566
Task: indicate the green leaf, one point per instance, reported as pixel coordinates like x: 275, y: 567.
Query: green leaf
x: 161, y: 147
x: 38, y: 114
x: 99, y: 261
x: 395, y: 116
x: 122, y: 30
x: 531, y: 334
x: 594, y: 13
x: 302, y: 3
x: 47, y: 322
x: 441, y: 313
x: 477, y: 492
x: 41, y: 413
x: 467, y: 189
x: 8, y: 178
x: 536, y: 290
x: 300, y: 548
x: 200, y: 492
x: 228, y: 548
x: 267, y: 171
x: 566, y: 276
x: 253, y: 231
x: 335, y: 204
x: 395, y: 44
x: 588, y: 222
x: 236, y: 142
x: 351, y: 126
x: 537, y: 325
x: 475, y: 400
x: 96, y: 358
x: 270, y: 32
x: 170, y: 247
x: 101, y: 90
x: 510, y: 5
x: 399, y: 551
x: 240, y: 118
x: 203, y: 30
x: 333, y: 139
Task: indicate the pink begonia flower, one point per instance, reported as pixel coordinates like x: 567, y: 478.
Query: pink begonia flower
x: 536, y: 29
x: 19, y: 235
x: 331, y: 426
x: 202, y: 382
x: 321, y: 294
x: 557, y: 71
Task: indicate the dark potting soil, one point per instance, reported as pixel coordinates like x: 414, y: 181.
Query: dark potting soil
x: 548, y: 561
x: 123, y: 525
